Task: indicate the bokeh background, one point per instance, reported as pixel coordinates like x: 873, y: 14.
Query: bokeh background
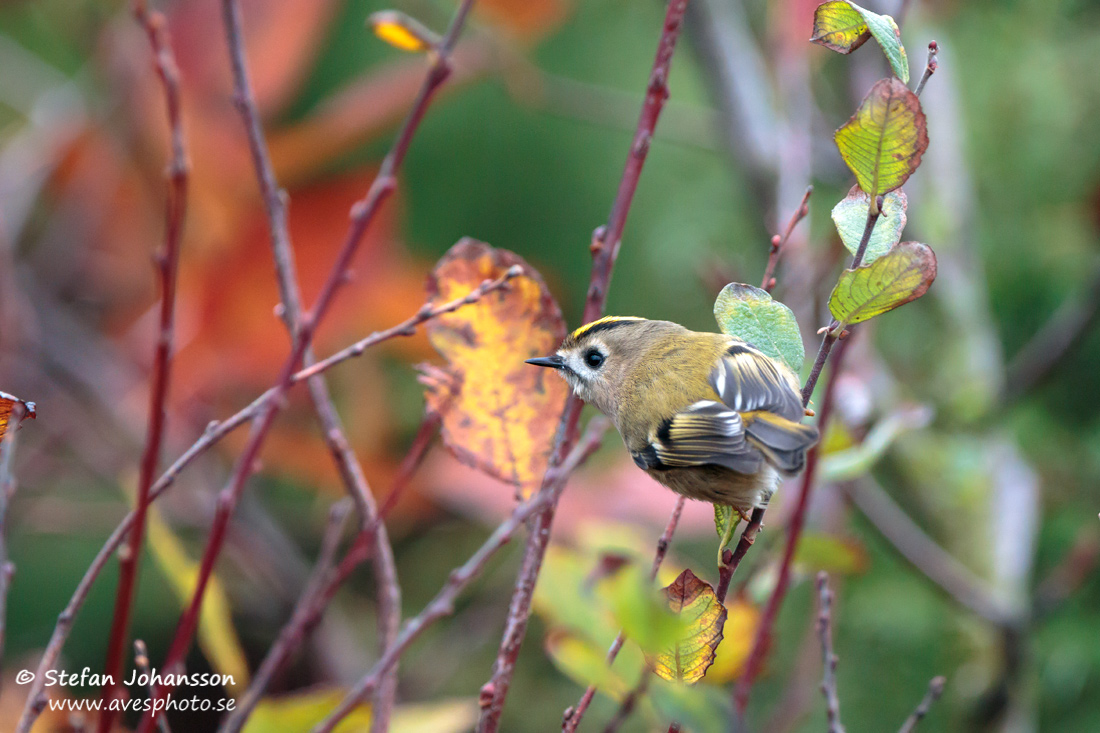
x: 991, y: 380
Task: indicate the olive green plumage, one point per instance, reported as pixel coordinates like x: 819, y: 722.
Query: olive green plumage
x: 705, y: 414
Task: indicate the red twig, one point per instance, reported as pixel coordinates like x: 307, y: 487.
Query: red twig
x: 606, y: 241
x: 36, y: 699
x: 443, y: 603
x: 363, y: 214
x: 798, y: 520
x: 332, y: 429
x: 571, y: 718
x: 164, y: 62
x: 326, y: 580
x: 778, y: 242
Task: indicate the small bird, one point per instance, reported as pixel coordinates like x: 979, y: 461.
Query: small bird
x: 708, y: 415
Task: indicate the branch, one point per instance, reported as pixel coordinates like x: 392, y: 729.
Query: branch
x: 798, y: 520
x: 929, y: 67
x: 214, y: 433
x: 164, y: 62
x: 606, y: 241
x: 829, y: 659
x: 443, y: 603
x: 318, y: 593
x: 777, y: 242
x: 935, y: 689
x: 626, y: 708
x: 141, y: 661
x: 332, y: 429
x: 7, y: 490
x: 362, y: 215
x: 571, y: 718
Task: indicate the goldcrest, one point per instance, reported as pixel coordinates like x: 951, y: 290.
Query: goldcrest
x: 706, y: 414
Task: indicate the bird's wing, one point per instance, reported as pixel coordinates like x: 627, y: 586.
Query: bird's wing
x: 705, y: 433
x: 748, y: 381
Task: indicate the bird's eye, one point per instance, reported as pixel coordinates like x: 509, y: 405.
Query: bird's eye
x: 593, y: 359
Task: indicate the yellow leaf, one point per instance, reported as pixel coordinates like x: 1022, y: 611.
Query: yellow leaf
x: 401, y: 31
x: 217, y: 636
x: 885, y: 139
x: 901, y: 275
x: 738, y: 634
x: 839, y: 26
x: 499, y: 414
x: 704, y: 619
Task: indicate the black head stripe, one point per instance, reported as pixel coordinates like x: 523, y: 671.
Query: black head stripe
x: 603, y: 326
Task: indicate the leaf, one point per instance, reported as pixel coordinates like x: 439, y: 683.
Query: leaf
x: 817, y: 551
x: 585, y: 663
x: 401, y: 31
x: 750, y: 314
x: 850, y: 217
x: 725, y: 521
x: 499, y: 414
x: 884, y: 140
x: 839, y: 26
x: 886, y: 32
x: 7, y: 406
x: 704, y: 618
x: 217, y: 635
x: 738, y: 633
x: 901, y: 275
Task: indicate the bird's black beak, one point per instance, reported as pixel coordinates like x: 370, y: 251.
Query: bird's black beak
x: 554, y: 362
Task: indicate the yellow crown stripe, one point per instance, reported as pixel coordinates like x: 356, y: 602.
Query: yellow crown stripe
x: 606, y: 319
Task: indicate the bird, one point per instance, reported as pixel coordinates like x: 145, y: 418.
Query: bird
x: 708, y: 415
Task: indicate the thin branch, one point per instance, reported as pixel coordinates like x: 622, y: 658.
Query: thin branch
x: 571, y: 718
x: 935, y: 563
x: 778, y: 242
x: 443, y: 603
x: 141, y: 661
x: 316, y: 597
x: 214, y: 432
x: 332, y: 429
x: 7, y: 490
x: 828, y: 657
x: 935, y: 689
x: 929, y: 67
x: 362, y: 215
x: 606, y: 241
x: 164, y: 62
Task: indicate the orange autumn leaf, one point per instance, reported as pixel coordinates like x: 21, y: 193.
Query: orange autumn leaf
x: 8, y: 406
x: 499, y: 414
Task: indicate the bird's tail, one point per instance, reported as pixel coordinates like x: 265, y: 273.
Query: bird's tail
x: 782, y: 442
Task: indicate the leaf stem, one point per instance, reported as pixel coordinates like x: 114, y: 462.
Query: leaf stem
x: 929, y: 67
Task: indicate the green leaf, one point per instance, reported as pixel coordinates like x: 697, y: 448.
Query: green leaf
x: 695, y: 602
x: 725, y: 521
x: 901, y: 275
x: 850, y: 217
x: 884, y: 140
x: 886, y: 32
x: 839, y: 26
x: 750, y: 314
